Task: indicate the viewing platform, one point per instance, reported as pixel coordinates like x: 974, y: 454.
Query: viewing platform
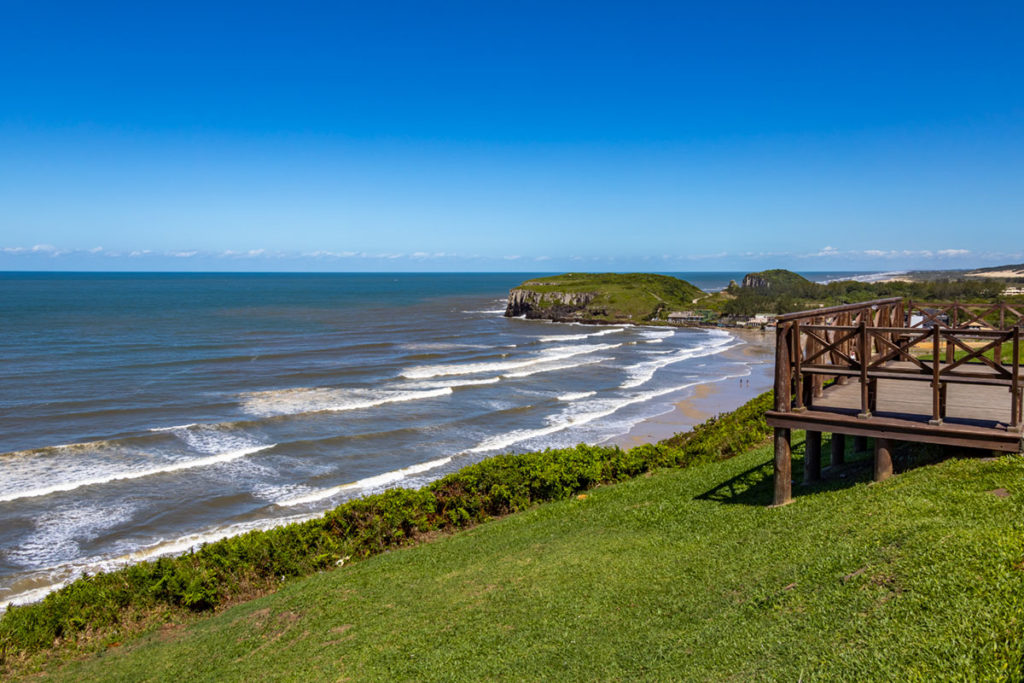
x: 895, y: 370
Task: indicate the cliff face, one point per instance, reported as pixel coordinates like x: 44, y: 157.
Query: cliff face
x: 755, y: 281
x: 549, y: 305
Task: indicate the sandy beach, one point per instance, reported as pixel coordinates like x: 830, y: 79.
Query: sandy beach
x: 708, y: 400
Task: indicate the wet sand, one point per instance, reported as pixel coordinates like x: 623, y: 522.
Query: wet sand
x: 708, y: 400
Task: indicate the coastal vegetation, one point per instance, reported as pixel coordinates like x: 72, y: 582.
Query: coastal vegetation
x: 782, y: 291
x: 638, y: 297
x: 683, y: 574
x: 108, y: 607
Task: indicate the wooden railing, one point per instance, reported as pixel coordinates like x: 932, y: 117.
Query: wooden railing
x: 957, y: 315
x: 874, y: 340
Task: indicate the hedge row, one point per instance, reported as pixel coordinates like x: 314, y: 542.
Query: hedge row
x: 252, y: 563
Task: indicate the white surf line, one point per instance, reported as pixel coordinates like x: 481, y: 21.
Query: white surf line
x: 174, y: 428
x: 292, y: 402
x: 641, y: 373
x: 120, y: 476
x: 573, y: 337
x: 576, y: 396
x: 554, y: 368
x: 552, y: 354
x: 367, y: 483
x: 505, y: 440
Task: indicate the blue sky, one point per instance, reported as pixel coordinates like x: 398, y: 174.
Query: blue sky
x: 510, y: 136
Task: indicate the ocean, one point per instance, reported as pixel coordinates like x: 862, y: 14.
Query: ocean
x: 144, y: 414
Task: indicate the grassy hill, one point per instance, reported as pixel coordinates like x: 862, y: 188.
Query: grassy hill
x: 633, y: 297
x: 680, y: 575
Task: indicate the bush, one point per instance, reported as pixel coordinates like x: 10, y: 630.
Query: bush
x: 226, y: 569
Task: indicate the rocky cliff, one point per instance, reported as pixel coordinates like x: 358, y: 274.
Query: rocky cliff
x: 755, y: 281
x: 550, y: 305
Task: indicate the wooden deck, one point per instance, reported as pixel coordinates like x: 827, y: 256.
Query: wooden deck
x: 859, y: 370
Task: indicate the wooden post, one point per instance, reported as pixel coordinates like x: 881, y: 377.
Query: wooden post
x: 812, y: 457
x: 883, y: 459
x: 783, y: 468
x: 783, y: 378
x: 817, y: 381
x: 838, y: 449
x: 936, y: 400
x: 997, y: 354
x: 783, y: 385
x: 863, y: 354
x: 798, y: 375
x: 860, y: 444
x: 844, y: 319
x: 1015, y: 408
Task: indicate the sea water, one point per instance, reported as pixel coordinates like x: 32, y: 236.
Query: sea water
x: 144, y: 414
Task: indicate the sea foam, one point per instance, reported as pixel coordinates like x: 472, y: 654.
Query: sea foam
x: 369, y: 483
x: 321, y: 399
x: 552, y: 354
x: 133, y: 474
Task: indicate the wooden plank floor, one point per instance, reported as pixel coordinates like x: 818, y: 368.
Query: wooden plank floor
x: 966, y: 404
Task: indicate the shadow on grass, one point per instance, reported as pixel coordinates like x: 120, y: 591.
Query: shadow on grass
x: 755, y: 486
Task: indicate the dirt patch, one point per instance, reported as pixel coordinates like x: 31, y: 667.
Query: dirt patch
x: 1000, y: 493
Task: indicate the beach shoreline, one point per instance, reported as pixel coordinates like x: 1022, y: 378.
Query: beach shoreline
x: 709, y: 399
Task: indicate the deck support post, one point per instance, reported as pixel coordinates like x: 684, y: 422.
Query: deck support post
x: 860, y: 444
x: 812, y: 457
x: 838, y: 452
x: 783, y: 468
x: 883, y: 459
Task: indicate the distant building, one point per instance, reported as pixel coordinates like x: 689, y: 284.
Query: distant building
x: 1013, y: 291
x: 686, y: 317
x: 761, y: 320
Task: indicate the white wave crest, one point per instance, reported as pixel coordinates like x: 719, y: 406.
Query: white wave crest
x: 453, y: 383
x: 641, y: 373
x: 133, y: 474
x: 553, y: 354
x: 576, y: 396
x: 553, y: 367
x: 174, y: 428
x: 376, y: 481
x: 319, y: 400
x: 570, y: 418
x: 574, y: 337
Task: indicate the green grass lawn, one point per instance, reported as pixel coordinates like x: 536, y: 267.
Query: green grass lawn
x: 682, y: 575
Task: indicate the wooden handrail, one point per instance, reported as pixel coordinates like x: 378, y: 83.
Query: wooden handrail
x: 837, y: 309
x: 810, y: 350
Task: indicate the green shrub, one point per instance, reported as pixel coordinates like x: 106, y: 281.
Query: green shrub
x: 220, y: 571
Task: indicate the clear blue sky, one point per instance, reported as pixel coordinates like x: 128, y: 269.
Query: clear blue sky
x: 511, y: 136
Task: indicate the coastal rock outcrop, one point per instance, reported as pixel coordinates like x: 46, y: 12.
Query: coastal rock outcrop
x: 755, y: 281
x: 548, y: 305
